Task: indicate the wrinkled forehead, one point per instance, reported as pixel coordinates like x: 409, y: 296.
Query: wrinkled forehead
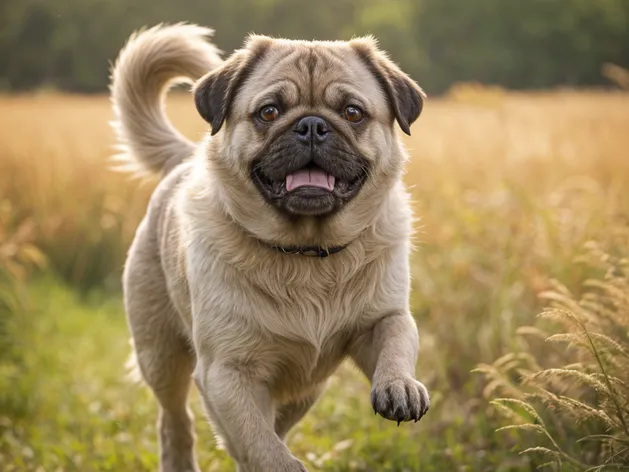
x: 313, y: 74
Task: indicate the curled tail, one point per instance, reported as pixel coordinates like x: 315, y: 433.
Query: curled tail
x: 149, y: 64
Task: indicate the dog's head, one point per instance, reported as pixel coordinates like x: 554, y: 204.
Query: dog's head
x: 308, y: 126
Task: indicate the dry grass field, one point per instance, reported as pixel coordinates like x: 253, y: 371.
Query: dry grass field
x: 524, y: 207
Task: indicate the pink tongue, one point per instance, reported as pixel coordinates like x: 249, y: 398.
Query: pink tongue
x: 309, y: 178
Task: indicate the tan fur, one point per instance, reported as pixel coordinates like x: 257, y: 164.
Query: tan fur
x: 260, y: 331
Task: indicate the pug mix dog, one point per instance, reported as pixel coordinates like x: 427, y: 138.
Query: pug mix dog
x: 276, y: 247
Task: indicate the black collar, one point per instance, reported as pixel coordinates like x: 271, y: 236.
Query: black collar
x: 309, y: 251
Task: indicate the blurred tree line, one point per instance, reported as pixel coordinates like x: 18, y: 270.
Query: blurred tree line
x: 69, y: 44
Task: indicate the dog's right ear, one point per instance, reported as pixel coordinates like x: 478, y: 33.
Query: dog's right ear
x: 215, y: 91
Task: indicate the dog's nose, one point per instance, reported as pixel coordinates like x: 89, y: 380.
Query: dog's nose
x: 312, y: 129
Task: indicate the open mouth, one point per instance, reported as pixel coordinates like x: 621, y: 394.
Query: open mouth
x: 308, y: 191
x: 310, y: 177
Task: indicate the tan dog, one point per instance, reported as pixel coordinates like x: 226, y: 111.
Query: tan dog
x: 275, y: 248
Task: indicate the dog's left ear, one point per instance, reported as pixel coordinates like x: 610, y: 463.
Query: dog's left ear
x: 405, y: 96
x: 215, y: 91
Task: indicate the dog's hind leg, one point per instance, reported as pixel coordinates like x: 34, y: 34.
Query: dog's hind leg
x: 164, y: 358
x: 175, y: 422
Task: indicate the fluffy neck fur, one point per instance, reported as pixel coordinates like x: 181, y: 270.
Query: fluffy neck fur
x: 230, y: 218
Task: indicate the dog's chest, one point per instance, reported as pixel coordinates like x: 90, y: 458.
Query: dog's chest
x: 312, y: 313
x: 311, y: 327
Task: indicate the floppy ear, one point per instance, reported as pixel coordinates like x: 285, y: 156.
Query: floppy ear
x: 405, y: 96
x: 215, y: 91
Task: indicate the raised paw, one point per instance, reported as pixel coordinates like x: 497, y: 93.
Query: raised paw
x: 400, y: 400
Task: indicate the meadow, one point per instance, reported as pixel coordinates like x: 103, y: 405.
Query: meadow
x: 523, y: 200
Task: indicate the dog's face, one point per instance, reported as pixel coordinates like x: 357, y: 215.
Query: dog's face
x: 309, y: 125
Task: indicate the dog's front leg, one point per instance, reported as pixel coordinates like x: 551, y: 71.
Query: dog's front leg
x: 242, y: 409
x: 387, y: 354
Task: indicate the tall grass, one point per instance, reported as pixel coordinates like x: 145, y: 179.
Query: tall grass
x: 509, y: 188
x: 574, y: 393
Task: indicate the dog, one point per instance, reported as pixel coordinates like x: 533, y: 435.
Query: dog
x: 278, y: 245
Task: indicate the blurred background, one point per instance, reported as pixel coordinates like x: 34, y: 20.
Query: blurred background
x: 519, y: 173
x: 67, y: 44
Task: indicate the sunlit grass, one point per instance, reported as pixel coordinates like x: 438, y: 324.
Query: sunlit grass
x: 509, y: 187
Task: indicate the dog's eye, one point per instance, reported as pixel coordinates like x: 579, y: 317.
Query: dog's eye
x: 353, y: 114
x: 269, y: 113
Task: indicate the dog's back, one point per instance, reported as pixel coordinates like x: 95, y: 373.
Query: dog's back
x: 151, y: 62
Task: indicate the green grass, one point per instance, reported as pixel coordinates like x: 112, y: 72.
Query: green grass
x: 78, y: 411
